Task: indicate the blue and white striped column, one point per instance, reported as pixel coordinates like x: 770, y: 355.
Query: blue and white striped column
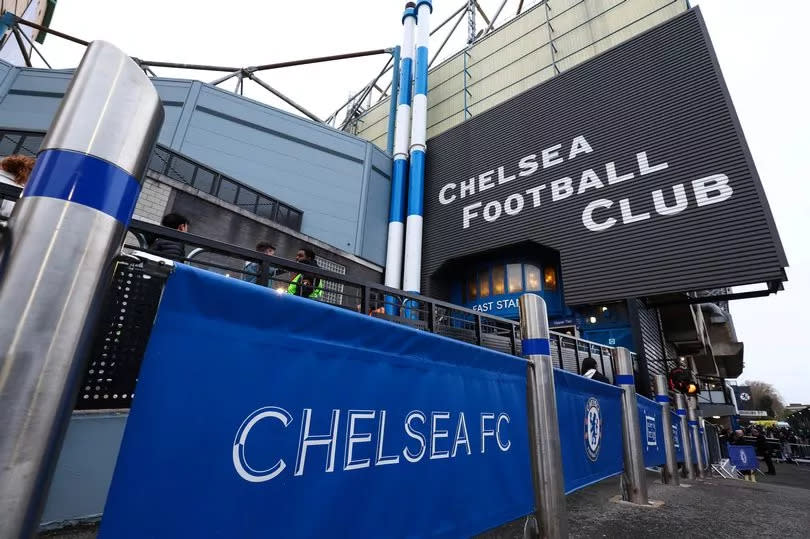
x: 680, y: 403
x: 416, y: 186
x: 669, y: 474
x: 65, y: 232
x: 692, y: 416
x: 399, y: 175
x: 634, y: 480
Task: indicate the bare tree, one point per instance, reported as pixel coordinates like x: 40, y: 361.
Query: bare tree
x: 765, y: 397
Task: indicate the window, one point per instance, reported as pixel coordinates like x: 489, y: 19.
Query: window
x: 483, y: 284
x: 247, y: 199
x: 158, y: 161
x: 204, y: 180
x: 8, y: 144
x: 332, y: 291
x: 295, y: 219
x: 514, y: 273
x: 227, y: 190
x: 472, y: 289
x: 532, y: 277
x: 181, y: 170
x: 266, y: 208
x: 30, y: 145
x: 550, y: 279
x: 498, y: 276
x: 281, y: 214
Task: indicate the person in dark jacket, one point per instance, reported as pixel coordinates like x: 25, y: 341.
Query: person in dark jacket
x: 306, y: 284
x: 171, y: 249
x: 765, y: 452
x: 589, y: 370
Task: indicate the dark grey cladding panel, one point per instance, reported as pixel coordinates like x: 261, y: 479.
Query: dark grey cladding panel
x: 657, y: 99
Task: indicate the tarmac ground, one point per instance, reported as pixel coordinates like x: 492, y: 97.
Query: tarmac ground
x: 775, y: 506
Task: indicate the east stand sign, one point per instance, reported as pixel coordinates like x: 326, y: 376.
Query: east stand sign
x: 632, y: 165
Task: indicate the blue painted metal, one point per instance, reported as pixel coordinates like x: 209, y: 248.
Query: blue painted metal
x: 536, y: 347
x: 416, y: 183
x: 86, y: 180
x: 628, y: 379
x: 392, y: 101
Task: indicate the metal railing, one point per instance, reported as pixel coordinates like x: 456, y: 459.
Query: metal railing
x: 171, y: 164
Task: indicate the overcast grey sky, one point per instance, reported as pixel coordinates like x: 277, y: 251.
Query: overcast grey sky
x: 762, y: 47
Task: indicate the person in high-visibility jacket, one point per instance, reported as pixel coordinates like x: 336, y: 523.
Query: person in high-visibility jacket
x: 306, y: 285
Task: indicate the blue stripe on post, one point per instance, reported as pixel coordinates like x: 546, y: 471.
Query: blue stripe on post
x: 85, y: 180
x: 396, y: 211
x: 420, y: 82
x: 693, y: 423
x: 680, y: 411
x: 626, y: 379
x: 536, y: 347
x: 662, y: 399
x: 417, y: 183
x: 405, y: 81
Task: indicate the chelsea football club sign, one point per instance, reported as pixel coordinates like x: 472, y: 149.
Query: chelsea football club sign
x: 593, y: 428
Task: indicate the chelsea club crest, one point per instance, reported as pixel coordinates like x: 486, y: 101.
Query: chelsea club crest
x: 593, y: 428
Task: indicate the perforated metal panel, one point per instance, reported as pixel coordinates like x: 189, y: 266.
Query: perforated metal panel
x: 333, y: 292
x: 115, y: 358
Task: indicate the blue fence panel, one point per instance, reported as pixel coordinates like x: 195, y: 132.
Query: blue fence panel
x: 590, y: 417
x: 676, y: 433
x: 259, y: 414
x: 650, y: 420
x: 744, y: 457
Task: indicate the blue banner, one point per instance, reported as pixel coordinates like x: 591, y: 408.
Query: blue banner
x: 590, y: 417
x: 266, y: 415
x: 676, y: 434
x: 650, y: 421
x: 744, y: 457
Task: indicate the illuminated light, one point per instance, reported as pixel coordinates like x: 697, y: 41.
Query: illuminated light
x: 550, y: 278
x: 592, y: 320
x: 604, y: 309
x: 280, y: 290
x: 715, y: 417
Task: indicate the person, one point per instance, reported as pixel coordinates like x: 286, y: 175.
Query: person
x: 252, y: 269
x: 14, y: 170
x: 589, y: 370
x: 764, y: 451
x: 171, y: 249
x: 306, y: 284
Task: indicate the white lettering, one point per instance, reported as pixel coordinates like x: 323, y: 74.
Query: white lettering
x: 589, y: 180
x: 613, y: 177
x: 381, y: 460
x: 644, y: 165
x: 680, y: 200
x: 508, y: 444
x: 486, y: 432
x: 467, y: 188
x: 561, y: 189
x: 578, y: 146
x: 485, y: 181
x: 528, y: 165
x: 502, y: 178
x: 714, y: 183
x: 308, y: 440
x: 627, y: 214
x: 462, y: 438
x: 443, y: 194
x: 240, y: 463
x: 353, y: 438
x: 492, y: 211
x: 587, y: 215
x: 416, y: 435
x: 435, y: 434
x: 551, y: 156
x: 535, y: 192
x: 468, y: 213
x: 513, y: 204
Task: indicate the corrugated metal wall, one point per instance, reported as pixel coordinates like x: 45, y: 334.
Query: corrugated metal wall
x: 520, y: 55
x: 341, y: 182
x: 649, y: 342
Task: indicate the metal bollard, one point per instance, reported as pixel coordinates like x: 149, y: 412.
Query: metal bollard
x: 634, y: 482
x: 691, y: 410
x: 549, y: 487
x: 689, y: 467
x: 669, y: 474
x: 66, y: 231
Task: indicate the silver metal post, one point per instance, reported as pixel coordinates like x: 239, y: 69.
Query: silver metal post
x: 691, y: 409
x: 669, y: 474
x: 547, y: 476
x: 65, y: 230
x: 689, y: 467
x: 634, y: 481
